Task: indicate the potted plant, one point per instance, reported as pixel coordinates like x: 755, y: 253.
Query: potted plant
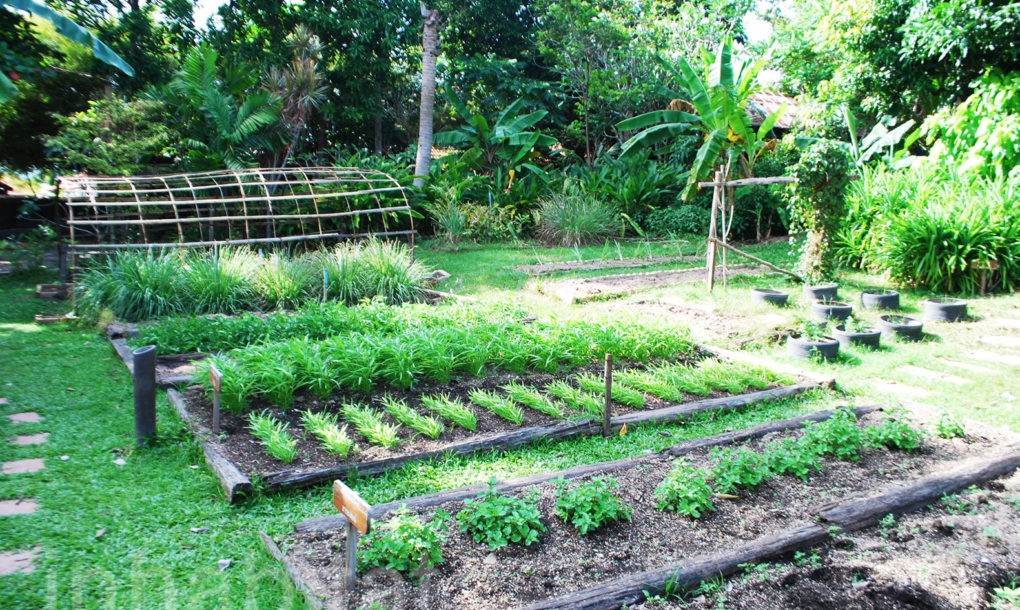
x: 821, y: 291
x: 856, y: 332
x: 901, y: 327
x: 809, y: 339
x: 880, y: 299
x: 944, y: 309
x: 769, y: 297
x: 826, y: 309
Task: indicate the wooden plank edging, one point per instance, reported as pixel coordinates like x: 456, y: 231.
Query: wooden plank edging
x: 236, y: 485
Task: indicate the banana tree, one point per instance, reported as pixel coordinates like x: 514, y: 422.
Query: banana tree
x: 500, y: 149
x: 718, y: 96
x: 66, y: 28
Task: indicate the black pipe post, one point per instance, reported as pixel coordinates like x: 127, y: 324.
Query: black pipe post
x: 144, y: 365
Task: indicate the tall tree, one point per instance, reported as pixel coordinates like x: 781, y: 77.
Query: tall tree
x: 433, y: 23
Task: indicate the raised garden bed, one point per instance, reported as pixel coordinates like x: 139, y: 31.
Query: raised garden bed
x: 238, y: 456
x: 620, y: 562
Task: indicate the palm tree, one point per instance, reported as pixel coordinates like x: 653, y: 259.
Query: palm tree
x: 299, y: 87
x: 66, y: 28
x: 429, y: 54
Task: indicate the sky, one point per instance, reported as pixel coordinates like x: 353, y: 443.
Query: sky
x: 205, y: 9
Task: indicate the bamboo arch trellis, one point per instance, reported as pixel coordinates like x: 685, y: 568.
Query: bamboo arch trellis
x: 233, y: 207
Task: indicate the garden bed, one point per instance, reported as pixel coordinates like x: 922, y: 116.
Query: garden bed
x: 596, y: 265
x: 238, y: 452
x: 609, y: 287
x: 615, y: 564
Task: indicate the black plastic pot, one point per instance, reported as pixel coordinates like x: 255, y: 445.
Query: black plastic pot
x: 826, y: 347
x: 869, y: 338
x: 901, y: 327
x: 769, y: 296
x: 945, y: 310
x: 821, y: 292
x: 880, y: 299
x: 822, y: 311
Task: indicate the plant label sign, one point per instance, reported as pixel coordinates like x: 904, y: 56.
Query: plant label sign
x: 215, y: 378
x: 350, y: 504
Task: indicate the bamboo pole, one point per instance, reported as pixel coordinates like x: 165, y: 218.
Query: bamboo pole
x: 710, y: 255
x: 756, y: 259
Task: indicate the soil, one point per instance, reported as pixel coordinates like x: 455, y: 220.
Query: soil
x: 951, y: 556
x: 244, y: 450
x: 622, y: 263
x: 709, y: 324
x: 472, y: 576
x: 615, y: 286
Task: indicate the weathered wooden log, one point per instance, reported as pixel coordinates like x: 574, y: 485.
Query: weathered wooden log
x: 759, y: 431
x: 861, y: 512
x: 749, y: 181
x: 379, y: 511
x: 236, y: 485
x: 124, y: 352
x: 314, y: 601
x: 725, y: 403
x: 632, y: 589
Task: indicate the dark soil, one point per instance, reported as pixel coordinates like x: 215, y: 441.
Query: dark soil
x: 952, y: 556
x: 247, y: 453
x: 615, y: 286
x: 475, y: 577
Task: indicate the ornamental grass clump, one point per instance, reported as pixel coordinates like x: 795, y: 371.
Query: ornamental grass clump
x: 220, y: 281
x: 332, y: 438
x: 498, y: 405
x: 403, y: 413
x: 533, y: 399
x: 573, y: 218
x: 133, y: 286
x: 274, y: 436
x: 370, y: 424
x: 404, y: 542
x: 452, y: 410
x: 285, y: 282
x: 496, y: 519
x: 591, y: 505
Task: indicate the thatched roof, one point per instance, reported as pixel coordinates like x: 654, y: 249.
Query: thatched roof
x: 764, y: 103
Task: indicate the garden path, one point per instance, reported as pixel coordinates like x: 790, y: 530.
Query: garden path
x: 21, y: 561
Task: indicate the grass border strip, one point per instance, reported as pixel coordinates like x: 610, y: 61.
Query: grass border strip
x: 331, y: 522
x: 124, y: 352
x: 236, y: 485
x: 850, y: 514
x: 314, y: 601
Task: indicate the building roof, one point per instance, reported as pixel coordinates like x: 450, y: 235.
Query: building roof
x: 764, y: 103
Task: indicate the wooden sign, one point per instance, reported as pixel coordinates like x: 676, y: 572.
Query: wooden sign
x: 350, y: 504
x: 215, y: 378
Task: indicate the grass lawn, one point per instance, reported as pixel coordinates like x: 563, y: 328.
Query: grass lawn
x: 122, y: 535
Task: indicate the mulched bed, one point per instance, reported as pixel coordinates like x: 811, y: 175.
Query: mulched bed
x: 474, y: 577
x: 947, y: 557
x: 243, y: 449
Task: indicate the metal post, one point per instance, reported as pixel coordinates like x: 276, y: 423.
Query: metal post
x: 144, y: 366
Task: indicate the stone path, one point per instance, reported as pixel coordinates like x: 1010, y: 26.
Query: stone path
x: 23, y: 561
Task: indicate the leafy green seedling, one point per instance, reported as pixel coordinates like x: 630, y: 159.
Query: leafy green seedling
x: 452, y: 410
x: 423, y: 424
x: 590, y: 505
x: 332, y: 437
x: 497, y: 519
x: 685, y: 490
x: 498, y: 405
x: 274, y: 436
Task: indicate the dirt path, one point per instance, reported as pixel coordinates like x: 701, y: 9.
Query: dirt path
x: 615, y: 286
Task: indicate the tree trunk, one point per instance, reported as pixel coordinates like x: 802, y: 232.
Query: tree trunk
x: 430, y: 51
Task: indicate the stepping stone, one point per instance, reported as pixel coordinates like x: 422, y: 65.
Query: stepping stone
x: 3, y: 401
x: 994, y: 357
x: 900, y: 389
x: 31, y: 439
x: 28, y: 417
x: 931, y: 375
x: 966, y: 366
x: 1000, y: 340
x: 18, y: 562
x: 24, y: 466
x: 26, y: 506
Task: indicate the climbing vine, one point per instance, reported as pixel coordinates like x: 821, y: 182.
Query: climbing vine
x: 816, y: 203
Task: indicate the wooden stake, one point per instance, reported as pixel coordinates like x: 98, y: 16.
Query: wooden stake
x: 351, y: 556
x: 755, y: 259
x: 710, y: 256
x: 607, y: 415
x: 216, y: 379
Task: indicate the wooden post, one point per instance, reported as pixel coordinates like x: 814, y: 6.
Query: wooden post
x: 216, y: 380
x: 710, y: 255
x: 350, y: 504
x: 607, y: 415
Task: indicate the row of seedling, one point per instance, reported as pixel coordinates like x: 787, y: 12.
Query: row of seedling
x: 559, y: 399
x: 362, y: 362
x: 406, y: 542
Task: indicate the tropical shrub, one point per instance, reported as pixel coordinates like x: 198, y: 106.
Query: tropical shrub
x: 676, y: 220
x: 572, y: 218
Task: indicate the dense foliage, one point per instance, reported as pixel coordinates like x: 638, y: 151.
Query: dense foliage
x: 498, y: 519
